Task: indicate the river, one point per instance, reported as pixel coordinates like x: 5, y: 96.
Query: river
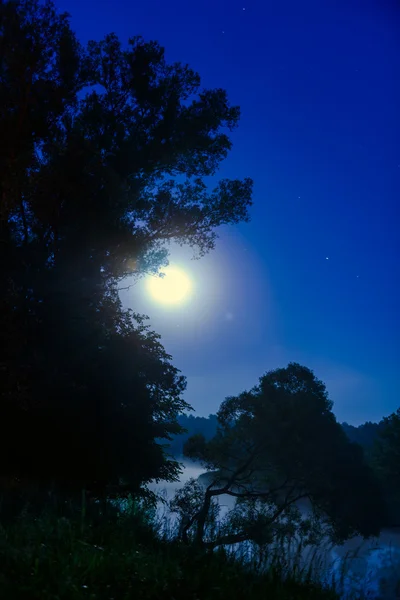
x: 372, y: 566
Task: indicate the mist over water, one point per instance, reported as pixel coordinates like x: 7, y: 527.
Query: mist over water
x: 370, y: 566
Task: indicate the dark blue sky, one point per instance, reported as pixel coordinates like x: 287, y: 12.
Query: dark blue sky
x: 319, y: 88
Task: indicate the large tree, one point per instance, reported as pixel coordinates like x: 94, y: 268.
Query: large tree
x: 387, y: 450
x: 386, y: 460
x: 104, y: 158
x: 277, y: 445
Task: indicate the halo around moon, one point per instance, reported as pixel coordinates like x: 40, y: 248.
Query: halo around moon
x: 174, y: 288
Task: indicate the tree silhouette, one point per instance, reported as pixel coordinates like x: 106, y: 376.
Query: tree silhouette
x: 386, y: 460
x: 192, y: 425
x: 103, y: 158
x: 277, y: 445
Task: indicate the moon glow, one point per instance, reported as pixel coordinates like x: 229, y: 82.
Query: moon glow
x: 173, y: 289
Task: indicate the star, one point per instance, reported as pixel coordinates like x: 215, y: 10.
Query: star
x: 327, y: 258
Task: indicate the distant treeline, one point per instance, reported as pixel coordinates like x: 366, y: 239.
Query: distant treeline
x: 207, y: 426
x: 365, y: 435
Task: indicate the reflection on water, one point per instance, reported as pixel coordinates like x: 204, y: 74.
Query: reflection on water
x: 371, y: 566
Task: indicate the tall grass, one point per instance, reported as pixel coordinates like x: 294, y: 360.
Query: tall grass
x: 93, y: 552
x: 294, y: 559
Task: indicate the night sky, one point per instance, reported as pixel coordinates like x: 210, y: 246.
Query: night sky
x: 314, y: 278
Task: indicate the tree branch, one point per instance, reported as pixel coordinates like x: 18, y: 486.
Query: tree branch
x: 242, y: 536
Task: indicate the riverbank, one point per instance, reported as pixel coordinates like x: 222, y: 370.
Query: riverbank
x: 363, y: 568
x: 122, y: 556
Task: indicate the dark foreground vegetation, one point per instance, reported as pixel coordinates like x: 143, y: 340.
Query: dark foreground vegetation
x: 81, y: 554
x: 106, y: 156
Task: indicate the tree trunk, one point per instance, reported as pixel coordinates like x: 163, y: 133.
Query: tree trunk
x: 201, y: 519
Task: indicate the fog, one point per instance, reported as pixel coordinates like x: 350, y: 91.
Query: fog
x: 372, y: 566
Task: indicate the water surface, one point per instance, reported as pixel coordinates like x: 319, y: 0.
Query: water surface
x: 372, y: 566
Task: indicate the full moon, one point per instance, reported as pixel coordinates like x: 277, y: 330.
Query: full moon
x: 174, y: 288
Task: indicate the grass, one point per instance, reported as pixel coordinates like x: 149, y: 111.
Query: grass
x: 85, y: 554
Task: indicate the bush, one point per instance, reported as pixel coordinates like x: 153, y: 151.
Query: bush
x: 104, y: 554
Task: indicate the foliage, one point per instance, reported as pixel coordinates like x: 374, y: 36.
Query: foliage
x: 115, y: 400
x: 280, y: 444
x: 192, y: 425
x: 386, y: 460
x: 365, y: 435
x: 379, y: 442
x: 120, y: 555
x: 105, y: 150
x: 187, y: 503
x: 388, y: 447
x: 99, y: 177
